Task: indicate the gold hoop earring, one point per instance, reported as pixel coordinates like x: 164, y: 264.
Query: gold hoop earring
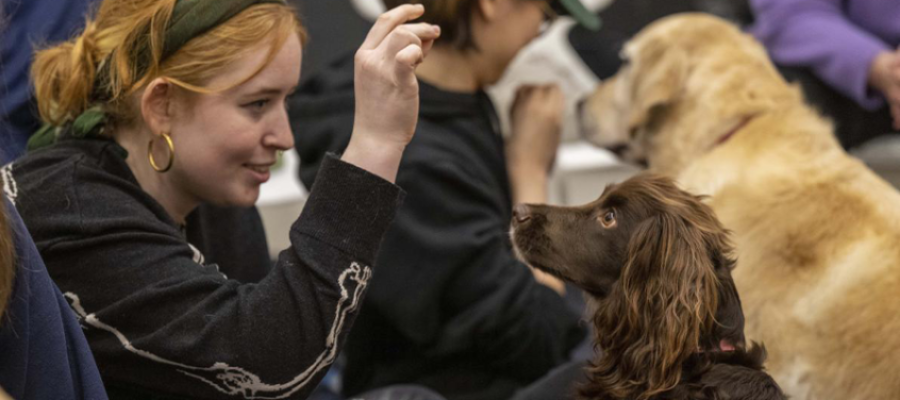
x: 171, y: 154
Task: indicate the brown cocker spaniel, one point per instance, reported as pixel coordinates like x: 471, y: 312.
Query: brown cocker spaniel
x: 656, y: 265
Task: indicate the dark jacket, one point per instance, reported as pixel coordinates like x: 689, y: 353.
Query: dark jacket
x: 451, y: 308
x: 161, y: 322
x: 43, y: 353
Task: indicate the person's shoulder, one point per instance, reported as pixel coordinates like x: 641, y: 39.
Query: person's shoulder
x: 62, y: 189
x: 439, y: 140
x: 63, y: 166
x: 449, y: 149
x: 454, y: 126
x: 42, y: 174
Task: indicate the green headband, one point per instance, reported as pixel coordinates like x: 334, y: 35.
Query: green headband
x: 190, y: 19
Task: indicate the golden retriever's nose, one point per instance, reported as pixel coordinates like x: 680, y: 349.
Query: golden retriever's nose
x: 521, y: 213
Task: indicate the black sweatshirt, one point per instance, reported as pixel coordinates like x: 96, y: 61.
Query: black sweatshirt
x: 451, y: 307
x: 161, y: 322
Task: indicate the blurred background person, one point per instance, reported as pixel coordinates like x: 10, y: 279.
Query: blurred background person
x: 454, y: 310
x: 844, y: 55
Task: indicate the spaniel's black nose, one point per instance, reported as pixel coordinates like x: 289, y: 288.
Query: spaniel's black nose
x: 521, y: 213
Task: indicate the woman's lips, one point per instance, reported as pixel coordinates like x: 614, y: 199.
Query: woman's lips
x: 260, y: 171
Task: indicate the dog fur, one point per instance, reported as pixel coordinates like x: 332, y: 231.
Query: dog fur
x: 656, y: 267
x: 817, y: 233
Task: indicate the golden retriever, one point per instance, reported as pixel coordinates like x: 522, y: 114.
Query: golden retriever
x: 817, y: 233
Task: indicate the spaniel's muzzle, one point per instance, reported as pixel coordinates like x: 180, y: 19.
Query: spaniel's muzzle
x: 656, y: 266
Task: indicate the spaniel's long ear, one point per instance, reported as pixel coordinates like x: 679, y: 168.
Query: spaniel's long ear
x: 653, y: 319
x: 658, y: 74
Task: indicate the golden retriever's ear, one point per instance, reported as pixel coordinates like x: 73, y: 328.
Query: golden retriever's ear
x: 653, y: 319
x: 657, y: 76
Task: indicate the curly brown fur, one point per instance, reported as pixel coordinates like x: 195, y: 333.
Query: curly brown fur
x: 727, y: 375
x: 656, y: 265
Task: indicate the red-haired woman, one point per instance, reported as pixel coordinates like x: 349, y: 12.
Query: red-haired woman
x: 161, y: 105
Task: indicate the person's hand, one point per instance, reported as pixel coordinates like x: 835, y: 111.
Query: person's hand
x: 884, y: 75
x: 386, y: 89
x: 549, y: 281
x: 537, y: 114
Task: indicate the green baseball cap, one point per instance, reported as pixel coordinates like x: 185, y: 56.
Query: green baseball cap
x: 577, y: 11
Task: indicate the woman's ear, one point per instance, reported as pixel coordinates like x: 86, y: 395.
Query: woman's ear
x: 488, y: 9
x: 156, y: 105
x: 654, y: 318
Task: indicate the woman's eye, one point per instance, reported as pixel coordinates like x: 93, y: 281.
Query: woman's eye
x: 259, y: 104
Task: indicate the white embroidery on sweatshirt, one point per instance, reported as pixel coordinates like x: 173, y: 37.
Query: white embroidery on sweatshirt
x: 198, y: 256
x: 10, y: 187
x: 238, y: 381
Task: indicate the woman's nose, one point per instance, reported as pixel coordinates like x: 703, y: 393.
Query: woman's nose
x: 281, y: 137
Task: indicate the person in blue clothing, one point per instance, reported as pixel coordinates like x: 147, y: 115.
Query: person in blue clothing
x: 29, y: 23
x: 845, y: 55
x: 44, y: 353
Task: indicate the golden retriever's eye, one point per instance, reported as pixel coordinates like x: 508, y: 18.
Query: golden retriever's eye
x: 632, y: 133
x: 608, y: 219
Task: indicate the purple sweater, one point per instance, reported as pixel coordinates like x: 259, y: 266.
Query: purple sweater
x: 837, y: 39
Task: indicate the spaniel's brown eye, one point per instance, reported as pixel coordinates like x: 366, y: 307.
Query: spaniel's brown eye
x: 608, y: 219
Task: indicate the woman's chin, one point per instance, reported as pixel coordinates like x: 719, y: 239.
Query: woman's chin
x: 249, y: 201
x: 246, y: 198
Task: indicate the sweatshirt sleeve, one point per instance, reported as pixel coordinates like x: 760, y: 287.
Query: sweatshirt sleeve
x: 160, y: 321
x: 463, y: 290
x: 816, y: 34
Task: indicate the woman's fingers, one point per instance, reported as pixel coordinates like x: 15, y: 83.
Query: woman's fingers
x: 427, y: 44
x: 409, y: 34
x: 387, y: 92
x: 387, y: 22
x: 409, y: 58
x: 405, y: 47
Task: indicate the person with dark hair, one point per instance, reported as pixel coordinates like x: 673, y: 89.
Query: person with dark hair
x: 159, y: 106
x: 453, y: 309
x: 844, y: 54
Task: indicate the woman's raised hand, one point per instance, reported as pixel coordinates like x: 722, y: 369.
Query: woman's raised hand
x: 386, y: 89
